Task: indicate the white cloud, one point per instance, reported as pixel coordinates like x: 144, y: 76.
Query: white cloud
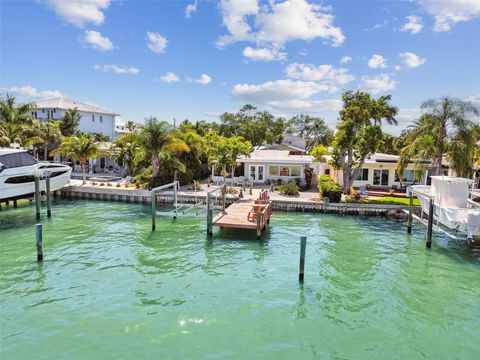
x: 377, y: 61
x: 449, y: 12
x: 345, y: 59
x: 28, y: 92
x: 204, y: 79
x: 326, y: 73
x: 80, y: 12
x: 408, y: 115
x: 117, y: 69
x: 411, y: 60
x: 169, y: 77
x: 190, y: 9
x: 276, y: 23
x: 287, y: 95
x: 264, y: 54
x: 413, y: 25
x: 156, y: 42
x: 377, y: 84
x: 97, y: 41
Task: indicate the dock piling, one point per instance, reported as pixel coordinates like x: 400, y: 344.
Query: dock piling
x: 14, y: 203
x: 37, y: 196
x: 303, y: 245
x: 39, y: 243
x: 49, y: 197
x: 410, y: 212
x: 430, y: 224
x: 224, y: 196
x: 259, y: 224
x: 209, y: 215
x: 154, y: 210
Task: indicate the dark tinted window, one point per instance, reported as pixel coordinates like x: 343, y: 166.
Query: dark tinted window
x: 17, y: 159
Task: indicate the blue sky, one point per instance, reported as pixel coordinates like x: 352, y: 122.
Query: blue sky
x: 142, y: 58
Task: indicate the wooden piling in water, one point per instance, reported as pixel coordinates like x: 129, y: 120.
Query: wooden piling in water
x: 209, y: 215
x: 259, y: 224
x: 303, y: 245
x: 39, y: 243
x: 49, y: 197
x: 15, y: 203
x: 430, y: 224
x: 410, y: 213
x: 37, y: 197
x: 154, y: 210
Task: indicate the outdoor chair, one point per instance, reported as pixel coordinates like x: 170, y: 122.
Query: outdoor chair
x: 363, y: 192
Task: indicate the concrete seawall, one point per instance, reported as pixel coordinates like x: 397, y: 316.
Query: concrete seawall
x: 294, y: 204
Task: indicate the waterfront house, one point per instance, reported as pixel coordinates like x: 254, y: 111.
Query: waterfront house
x: 263, y: 165
x: 93, y: 119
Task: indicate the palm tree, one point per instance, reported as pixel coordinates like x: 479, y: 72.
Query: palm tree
x: 81, y: 148
x: 237, y: 146
x: 69, y: 121
x: 127, y: 151
x: 12, y: 133
x: 446, y: 127
x: 45, y: 133
x: 155, y: 135
x: 13, y: 113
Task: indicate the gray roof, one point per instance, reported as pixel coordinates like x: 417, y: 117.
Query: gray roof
x: 66, y: 103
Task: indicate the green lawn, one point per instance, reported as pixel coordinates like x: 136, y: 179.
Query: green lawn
x: 391, y: 200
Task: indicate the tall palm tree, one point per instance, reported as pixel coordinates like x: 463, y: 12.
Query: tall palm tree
x: 45, y: 133
x: 13, y: 113
x: 155, y: 135
x: 69, y: 121
x: 81, y: 148
x: 445, y: 128
x: 12, y: 133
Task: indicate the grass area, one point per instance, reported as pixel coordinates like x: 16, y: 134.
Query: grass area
x: 391, y: 200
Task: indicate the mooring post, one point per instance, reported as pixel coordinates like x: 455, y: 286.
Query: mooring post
x: 39, y: 243
x: 430, y: 224
x: 259, y: 224
x: 410, y: 212
x: 14, y: 203
x: 37, y: 196
x: 224, y: 197
x: 175, y: 198
x: 303, y: 245
x: 154, y: 210
x: 209, y: 215
x: 49, y: 197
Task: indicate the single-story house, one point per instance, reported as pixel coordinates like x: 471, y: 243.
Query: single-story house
x: 263, y: 165
x: 379, y: 170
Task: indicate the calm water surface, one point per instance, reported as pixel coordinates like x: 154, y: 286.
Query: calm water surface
x: 110, y: 289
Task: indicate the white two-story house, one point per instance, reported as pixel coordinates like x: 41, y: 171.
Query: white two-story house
x: 93, y: 119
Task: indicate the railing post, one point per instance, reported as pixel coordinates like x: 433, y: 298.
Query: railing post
x: 37, y: 196
x: 410, y: 212
x: 49, y: 197
x: 154, y: 209
x: 259, y: 224
x: 303, y: 245
x: 39, y: 243
x: 430, y: 224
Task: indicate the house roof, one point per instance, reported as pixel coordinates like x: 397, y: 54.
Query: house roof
x: 283, y: 147
x: 276, y: 157
x: 66, y: 103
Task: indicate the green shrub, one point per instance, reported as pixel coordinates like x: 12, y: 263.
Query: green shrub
x: 329, y: 188
x: 288, y: 189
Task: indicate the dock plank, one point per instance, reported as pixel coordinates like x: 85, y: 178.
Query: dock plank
x: 236, y: 216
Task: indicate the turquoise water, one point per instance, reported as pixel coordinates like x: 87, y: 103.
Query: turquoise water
x: 111, y: 289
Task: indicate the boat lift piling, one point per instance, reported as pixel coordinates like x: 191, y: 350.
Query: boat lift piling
x: 429, y: 222
x: 303, y: 245
x: 39, y: 243
x: 410, y: 211
x: 49, y: 197
x: 154, y: 192
x: 210, y: 209
x: 37, y: 196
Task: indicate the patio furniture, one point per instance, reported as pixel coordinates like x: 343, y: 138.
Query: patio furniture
x: 363, y: 191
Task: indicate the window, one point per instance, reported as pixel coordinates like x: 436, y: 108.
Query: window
x: 273, y: 170
x: 362, y: 175
x: 327, y: 171
x: 93, y: 118
x: 101, y: 118
x: 284, y: 171
x: 295, y: 170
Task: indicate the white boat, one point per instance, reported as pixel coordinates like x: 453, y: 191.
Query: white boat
x: 452, y: 207
x: 18, y: 170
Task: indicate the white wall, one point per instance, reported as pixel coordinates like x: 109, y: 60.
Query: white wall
x: 102, y: 123
x: 267, y: 177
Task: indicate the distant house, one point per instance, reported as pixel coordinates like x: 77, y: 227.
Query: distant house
x: 93, y: 119
x: 379, y: 170
x: 295, y: 144
x: 263, y: 165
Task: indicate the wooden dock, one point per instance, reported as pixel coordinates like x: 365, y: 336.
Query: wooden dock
x: 246, y: 214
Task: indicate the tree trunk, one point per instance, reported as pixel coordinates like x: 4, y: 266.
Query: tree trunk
x: 233, y: 174
x: 155, y: 165
x: 45, y: 151
x: 346, y: 179
x: 84, y: 173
